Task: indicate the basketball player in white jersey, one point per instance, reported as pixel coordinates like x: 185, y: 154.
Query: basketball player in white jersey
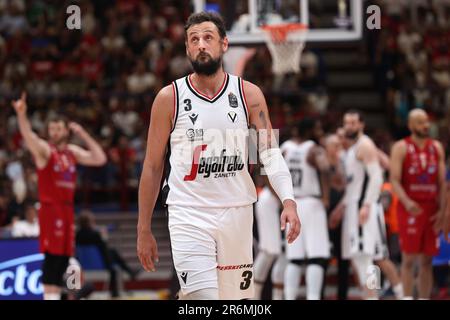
x: 310, y: 171
x: 381, y: 259
x: 363, y: 221
x: 204, y: 120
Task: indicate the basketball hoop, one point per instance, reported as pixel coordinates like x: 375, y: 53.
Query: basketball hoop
x: 285, y: 43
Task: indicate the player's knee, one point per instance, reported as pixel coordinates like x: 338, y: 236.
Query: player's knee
x: 278, y: 269
x: 201, y: 294
x: 362, y: 264
x: 408, y: 263
x: 426, y: 262
x: 263, y: 262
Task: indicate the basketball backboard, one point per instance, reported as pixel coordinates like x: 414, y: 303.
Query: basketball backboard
x: 327, y: 20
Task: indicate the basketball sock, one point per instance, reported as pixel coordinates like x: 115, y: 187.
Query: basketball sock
x: 362, y: 264
x: 261, y: 269
x: 314, y: 280
x: 52, y: 296
x: 292, y: 278
x: 398, y: 291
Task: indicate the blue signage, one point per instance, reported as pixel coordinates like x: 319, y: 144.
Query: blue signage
x: 20, y: 270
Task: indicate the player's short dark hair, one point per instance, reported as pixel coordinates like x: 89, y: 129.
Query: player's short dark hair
x: 58, y: 118
x: 85, y: 220
x: 356, y: 112
x: 306, y: 126
x: 197, y: 18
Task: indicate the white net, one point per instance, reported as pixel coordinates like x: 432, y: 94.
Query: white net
x: 285, y: 46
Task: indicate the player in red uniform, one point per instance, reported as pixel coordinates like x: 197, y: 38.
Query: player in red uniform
x: 56, y: 165
x: 418, y: 178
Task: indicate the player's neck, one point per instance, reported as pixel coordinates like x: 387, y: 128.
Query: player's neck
x: 208, y: 85
x: 420, y: 142
x: 60, y: 146
x: 354, y: 141
x: 297, y: 140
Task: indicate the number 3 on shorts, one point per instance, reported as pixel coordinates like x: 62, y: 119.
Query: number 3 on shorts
x: 247, y: 275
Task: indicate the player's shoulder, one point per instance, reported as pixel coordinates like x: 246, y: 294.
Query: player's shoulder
x: 287, y: 144
x: 166, y: 92
x: 252, y: 91
x: 165, y: 97
x: 438, y: 145
x: 399, y: 147
x: 366, y: 142
x: 399, y: 144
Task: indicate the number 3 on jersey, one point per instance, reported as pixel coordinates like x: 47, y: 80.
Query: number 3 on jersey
x: 297, y: 175
x: 247, y: 275
x: 188, y: 106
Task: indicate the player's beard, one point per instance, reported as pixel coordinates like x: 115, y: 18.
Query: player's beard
x: 59, y: 141
x: 421, y: 134
x: 208, y: 67
x: 352, y: 135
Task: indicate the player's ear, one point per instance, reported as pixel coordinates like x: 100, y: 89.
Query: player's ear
x: 186, y: 46
x: 225, y: 44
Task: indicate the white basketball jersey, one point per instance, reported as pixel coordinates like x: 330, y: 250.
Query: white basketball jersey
x: 209, y: 147
x: 305, y: 177
x: 356, y: 174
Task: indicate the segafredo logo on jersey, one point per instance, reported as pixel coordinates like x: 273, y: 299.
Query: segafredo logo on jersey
x: 222, y: 166
x: 17, y: 279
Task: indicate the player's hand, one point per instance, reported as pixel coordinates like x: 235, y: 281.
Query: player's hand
x: 446, y: 225
x: 147, y: 250
x: 76, y: 128
x: 20, y: 105
x: 413, y: 208
x: 335, y: 217
x: 437, y: 221
x: 290, y: 216
x: 326, y: 202
x: 364, y: 214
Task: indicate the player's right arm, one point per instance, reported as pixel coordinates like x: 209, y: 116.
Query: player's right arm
x: 158, y: 136
x: 446, y: 223
x: 398, y: 153
x: 317, y: 157
x: 38, y: 147
x: 383, y: 158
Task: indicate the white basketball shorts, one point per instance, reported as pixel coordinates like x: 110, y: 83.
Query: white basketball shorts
x: 369, y: 238
x: 313, y: 241
x: 212, y: 248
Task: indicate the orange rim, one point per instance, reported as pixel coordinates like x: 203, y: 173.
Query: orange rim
x: 279, y: 32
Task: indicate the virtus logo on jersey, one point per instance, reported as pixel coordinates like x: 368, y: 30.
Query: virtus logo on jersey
x: 222, y: 166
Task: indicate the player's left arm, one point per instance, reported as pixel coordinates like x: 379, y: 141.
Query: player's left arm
x: 94, y: 155
x: 440, y: 215
x: 368, y: 154
x: 271, y: 158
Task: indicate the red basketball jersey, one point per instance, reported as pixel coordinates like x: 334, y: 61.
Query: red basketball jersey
x: 420, y: 171
x: 57, y: 180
